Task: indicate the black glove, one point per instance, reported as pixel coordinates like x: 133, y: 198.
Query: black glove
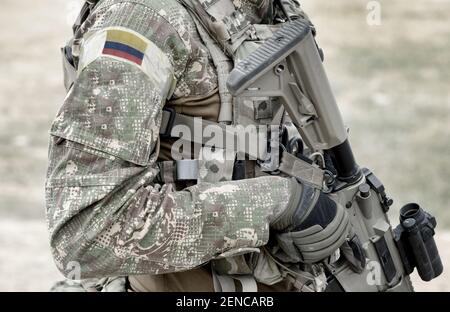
x: 313, y: 227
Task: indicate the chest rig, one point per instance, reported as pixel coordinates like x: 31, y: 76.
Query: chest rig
x: 231, y: 34
x: 230, y: 30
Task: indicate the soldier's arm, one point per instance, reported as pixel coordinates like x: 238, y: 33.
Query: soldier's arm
x: 104, y: 211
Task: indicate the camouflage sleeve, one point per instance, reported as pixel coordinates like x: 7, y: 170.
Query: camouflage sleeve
x: 104, y: 211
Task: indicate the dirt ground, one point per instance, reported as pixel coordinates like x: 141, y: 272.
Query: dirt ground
x: 391, y: 82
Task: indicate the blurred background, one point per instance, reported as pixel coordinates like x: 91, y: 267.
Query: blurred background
x: 390, y: 72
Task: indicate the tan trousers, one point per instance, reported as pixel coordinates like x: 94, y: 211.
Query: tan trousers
x: 197, y: 280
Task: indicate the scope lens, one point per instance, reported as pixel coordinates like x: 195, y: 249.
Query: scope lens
x: 410, y: 211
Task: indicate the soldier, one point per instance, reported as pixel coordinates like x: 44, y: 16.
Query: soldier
x: 118, y: 204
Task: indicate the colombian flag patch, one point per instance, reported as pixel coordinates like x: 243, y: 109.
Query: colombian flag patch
x: 125, y: 45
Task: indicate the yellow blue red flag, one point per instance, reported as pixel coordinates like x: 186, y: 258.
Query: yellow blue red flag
x: 125, y: 45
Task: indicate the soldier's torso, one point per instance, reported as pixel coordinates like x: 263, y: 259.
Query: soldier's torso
x: 197, y: 95
x: 196, y: 92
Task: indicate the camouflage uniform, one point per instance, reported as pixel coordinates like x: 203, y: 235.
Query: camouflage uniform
x: 104, y: 208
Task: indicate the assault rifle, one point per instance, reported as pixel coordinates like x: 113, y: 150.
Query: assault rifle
x: 289, y: 67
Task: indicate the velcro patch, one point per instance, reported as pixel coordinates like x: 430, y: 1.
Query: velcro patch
x: 129, y: 46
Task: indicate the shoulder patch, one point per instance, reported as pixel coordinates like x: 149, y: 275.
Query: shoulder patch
x: 128, y: 46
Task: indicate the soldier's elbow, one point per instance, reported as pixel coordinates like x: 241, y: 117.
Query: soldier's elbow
x: 73, y: 258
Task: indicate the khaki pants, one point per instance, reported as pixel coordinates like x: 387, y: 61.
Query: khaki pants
x: 197, y: 280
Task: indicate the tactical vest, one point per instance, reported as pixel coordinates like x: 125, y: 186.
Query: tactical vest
x: 230, y: 37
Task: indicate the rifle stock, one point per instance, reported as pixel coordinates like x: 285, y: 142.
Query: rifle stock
x: 289, y: 66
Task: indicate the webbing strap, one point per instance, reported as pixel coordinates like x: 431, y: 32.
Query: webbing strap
x: 187, y: 169
x: 180, y: 170
x: 84, y: 14
x: 225, y: 283
x: 248, y: 283
x: 228, y: 135
x: 224, y: 65
x: 171, y: 119
x: 167, y: 170
x: 77, y: 28
x: 222, y: 62
x: 304, y: 171
x: 289, y: 164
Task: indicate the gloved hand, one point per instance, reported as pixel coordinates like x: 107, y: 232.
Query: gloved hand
x: 312, y: 228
